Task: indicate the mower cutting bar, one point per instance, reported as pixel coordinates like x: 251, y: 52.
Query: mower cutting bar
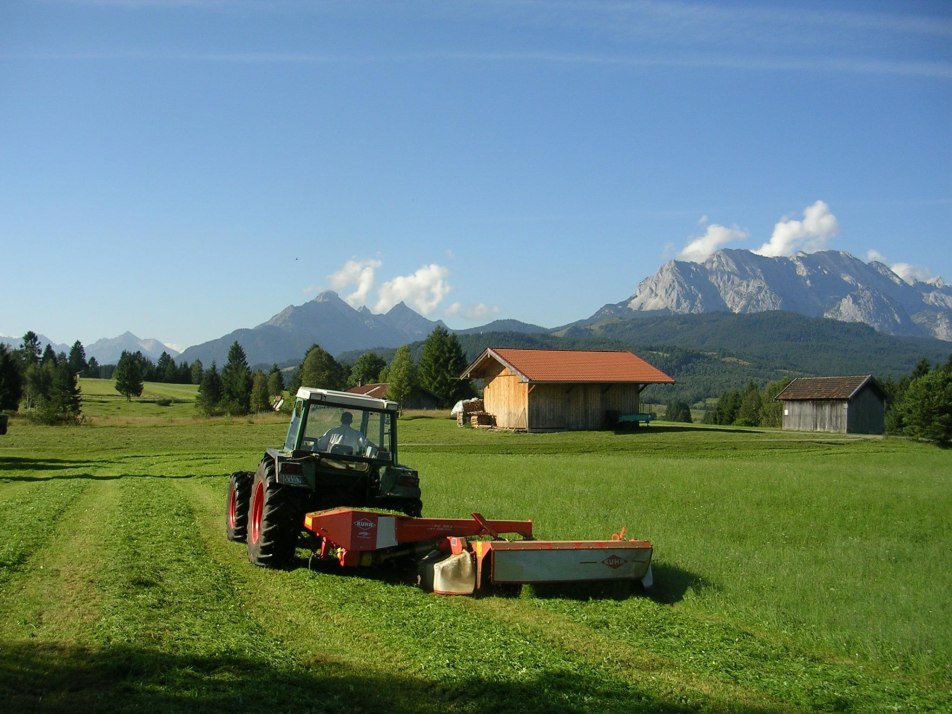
x: 564, y: 561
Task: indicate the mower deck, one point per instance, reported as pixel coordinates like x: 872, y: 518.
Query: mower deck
x: 459, y: 556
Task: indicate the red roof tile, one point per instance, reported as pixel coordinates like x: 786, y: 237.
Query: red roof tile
x: 579, y: 366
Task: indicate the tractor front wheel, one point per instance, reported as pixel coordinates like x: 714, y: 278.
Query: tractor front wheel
x: 236, y: 509
x: 275, y: 519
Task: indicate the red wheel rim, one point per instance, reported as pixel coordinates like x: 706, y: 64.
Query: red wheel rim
x: 232, y: 507
x: 257, y: 508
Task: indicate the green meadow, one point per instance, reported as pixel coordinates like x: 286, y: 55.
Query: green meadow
x: 793, y: 572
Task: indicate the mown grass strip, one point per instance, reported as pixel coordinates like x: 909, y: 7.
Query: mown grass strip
x: 445, y: 658
x: 29, y: 510
x: 54, y: 596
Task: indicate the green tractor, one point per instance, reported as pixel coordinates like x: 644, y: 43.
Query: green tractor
x: 341, y: 450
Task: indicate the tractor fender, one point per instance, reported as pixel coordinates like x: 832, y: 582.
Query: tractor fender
x: 287, y: 470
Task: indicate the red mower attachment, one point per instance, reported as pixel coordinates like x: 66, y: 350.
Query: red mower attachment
x: 459, y: 556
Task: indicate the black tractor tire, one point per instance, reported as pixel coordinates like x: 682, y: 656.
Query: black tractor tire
x: 275, y: 519
x: 236, y: 508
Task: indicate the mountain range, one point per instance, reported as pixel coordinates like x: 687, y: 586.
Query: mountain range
x: 829, y: 284
x: 106, y: 350
x: 326, y: 320
x: 737, y: 304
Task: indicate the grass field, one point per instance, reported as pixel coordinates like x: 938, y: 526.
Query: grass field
x: 794, y: 572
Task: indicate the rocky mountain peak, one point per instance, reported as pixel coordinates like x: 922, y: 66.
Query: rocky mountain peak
x: 831, y: 284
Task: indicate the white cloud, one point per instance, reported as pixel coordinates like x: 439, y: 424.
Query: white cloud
x: 481, y: 312
x: 701, y: 248
x: 813, y: 233
x: 423, y: 291
x: 907, y: 271
x: 359, y: 273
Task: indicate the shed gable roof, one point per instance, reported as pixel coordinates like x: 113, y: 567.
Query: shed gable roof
x: 377, y: 390
x: 569, y: 366
x: 819, y: 388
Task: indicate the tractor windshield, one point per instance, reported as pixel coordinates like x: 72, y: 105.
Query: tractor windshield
x: 347, y: 431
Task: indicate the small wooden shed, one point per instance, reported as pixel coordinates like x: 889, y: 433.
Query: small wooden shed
x: 561, y: 390
x: 843, y: 405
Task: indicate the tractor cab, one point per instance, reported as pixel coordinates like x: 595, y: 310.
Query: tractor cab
x: 342, y: 424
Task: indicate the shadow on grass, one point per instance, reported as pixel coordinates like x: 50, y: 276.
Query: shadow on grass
x: 670, y: 582
x: 22, y: 463
x: 47, y: 677
x: 670, y: 585
x: 17, y: 465
x: 687, y: 428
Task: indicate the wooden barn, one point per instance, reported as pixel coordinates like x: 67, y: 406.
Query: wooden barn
x: 561, y: 390
x: 844, y: 405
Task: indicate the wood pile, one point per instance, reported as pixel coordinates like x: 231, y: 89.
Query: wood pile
x: 473, y: 414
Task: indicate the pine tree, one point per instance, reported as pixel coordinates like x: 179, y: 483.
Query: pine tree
x: 30, y: 349
x: 275, y: 381
x: 236, y: 382
x: 260, y: 400
x: 197, y: 370
x: 749, y: 411
x: 440, y: 366
x: 927, y: 407
x: 679, y: 411
x: 92, y: 367
x: 401, y: 376
x: 209, y: 392
x: 165, y: 369
x: 62, y: 402
x: 77, y: 358
x: 366, y: 369
x: 320, y: 369
x: 128, y: 374
x: 11, y: 380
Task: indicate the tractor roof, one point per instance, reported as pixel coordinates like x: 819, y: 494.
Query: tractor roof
x: 345, y: 399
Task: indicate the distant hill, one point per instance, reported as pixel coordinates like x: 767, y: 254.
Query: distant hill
x: 326, y: 320
x: 505, y: 326
x: 709, y: 353
x: 829, y: 284
x: 106, y: 350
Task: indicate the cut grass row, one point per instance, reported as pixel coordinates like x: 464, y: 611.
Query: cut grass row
x: 119, y: 591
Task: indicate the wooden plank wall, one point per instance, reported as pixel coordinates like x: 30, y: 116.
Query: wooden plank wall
x: 564, y: 407
x: 867, y: 413
x: 505, y: 397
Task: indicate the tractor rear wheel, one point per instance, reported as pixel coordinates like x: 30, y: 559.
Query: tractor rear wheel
x: 236, y: 509
x: 275, y: 520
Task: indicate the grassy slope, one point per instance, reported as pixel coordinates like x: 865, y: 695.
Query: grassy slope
x: 794, y: 572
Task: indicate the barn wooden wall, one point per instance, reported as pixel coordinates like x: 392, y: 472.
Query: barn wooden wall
x: 867, y: 413
x: 555, y: 407
x: 819, y: 415
x: 864, y: 414
x: 505, y: 397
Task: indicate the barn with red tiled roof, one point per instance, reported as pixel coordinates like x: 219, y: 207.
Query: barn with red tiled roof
x: 561, y: 390
x: 844, y: 405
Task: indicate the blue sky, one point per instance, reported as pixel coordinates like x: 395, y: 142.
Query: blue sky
x: 181, y: 169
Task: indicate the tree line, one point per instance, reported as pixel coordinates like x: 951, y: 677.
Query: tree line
x: 45, y: 382
x: 237, y: 390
